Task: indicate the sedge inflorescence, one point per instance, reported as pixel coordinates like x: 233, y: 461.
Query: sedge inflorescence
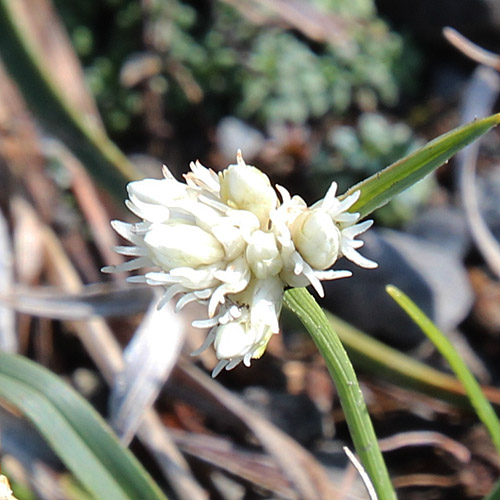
x: 233, y: 242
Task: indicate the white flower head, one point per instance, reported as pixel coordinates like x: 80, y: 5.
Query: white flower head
x: 227, y: 241
x: 5, y: 489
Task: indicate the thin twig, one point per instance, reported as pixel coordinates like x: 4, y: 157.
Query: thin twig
x: 364, y: 476
x: 479, y: 101
x: 471, y: 50
x: 426, y: 438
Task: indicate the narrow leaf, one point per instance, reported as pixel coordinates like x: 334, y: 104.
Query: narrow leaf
x: 303, y: 305
x: 8, y: 335
x: 479, y: 402
x: 89, y: 143
x: 76, y: 432
x: 63, y: 439
x: 398, y: 368
x: 380, y: 188
x: 494, y: 493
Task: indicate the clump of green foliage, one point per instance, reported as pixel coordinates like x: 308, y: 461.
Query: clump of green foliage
x: 104, y: 33
x: 372, y: 145
x: 291, y: 81
x: 215, y: 54
x: 350, y: 153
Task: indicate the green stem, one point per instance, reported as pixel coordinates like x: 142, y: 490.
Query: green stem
x: 494, y: 494
x: 301, y: 303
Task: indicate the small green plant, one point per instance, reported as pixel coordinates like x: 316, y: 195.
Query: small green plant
x: 260, y: 72
x: 351, y: 153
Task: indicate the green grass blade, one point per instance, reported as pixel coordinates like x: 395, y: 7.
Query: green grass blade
x: 484, y: 410
x: 374, y: 357
x: 494, y: 493
x: 303, y: 305
x: 79, y: 436
x: 105, y: 162
x: 396, y: 367
x: 380, y: 188
x: 62, y: 439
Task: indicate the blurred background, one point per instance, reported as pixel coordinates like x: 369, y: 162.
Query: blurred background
x: 94, y: 94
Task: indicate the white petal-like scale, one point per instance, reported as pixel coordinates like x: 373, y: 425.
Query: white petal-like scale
x: 285, y: 195
x: 315, y: 282
x: 317, y: 238
x: 354, y: 243
x: 330, y: 200
x: 219, y: 367
x: 233, y: 339
x: 345, y: 204
x: 206, y: 344
x: 182, y: 245
x: 153, y: 213
x: 332, y: 275
x: 136, y: 279
x: 131, y: 251
x: 205, y: 176
x: 159, y: 278
x: 127, y: 231
x: 130, y: 265
x: 351, y: 254
x: 353, y: 231
x: 235, y: 362
x: 203, y: 294
x: 205, y: 323
x: 169, y: 294
x: 212, y: 202
x: 166, y: 172
x: 216, y: 299
x: 184, y: 300
x: 347, y: 218
x: 231, y: 239
x: 195, y: 279
x: 151, y: 191
x: 298, y: 263
x: 140, y: 228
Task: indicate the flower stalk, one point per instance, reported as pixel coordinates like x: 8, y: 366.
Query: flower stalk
x: 303, y: 305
